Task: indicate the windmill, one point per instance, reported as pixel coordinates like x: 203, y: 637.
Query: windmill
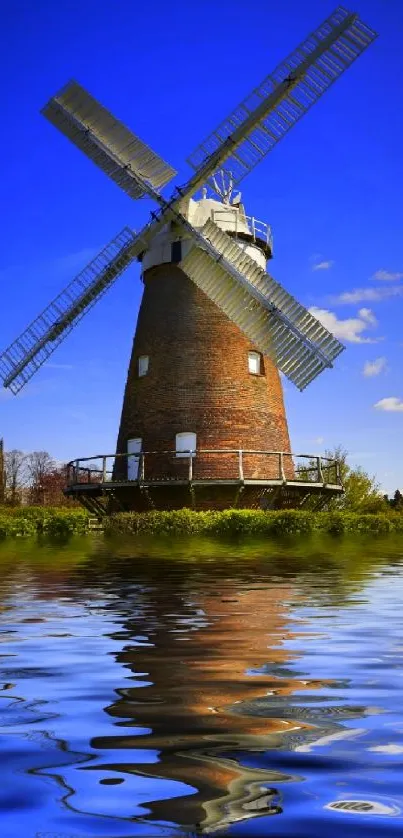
x: 214, y: 328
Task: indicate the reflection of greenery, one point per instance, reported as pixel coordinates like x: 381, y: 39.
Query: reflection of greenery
x: 343, y: 564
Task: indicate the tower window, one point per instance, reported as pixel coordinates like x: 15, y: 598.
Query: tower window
x: 143, y: 362
x: 176, y: 252
x: 185, y: 442
x: 255, y: 363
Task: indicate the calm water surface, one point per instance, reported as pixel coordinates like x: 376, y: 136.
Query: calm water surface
x: 171, y: 689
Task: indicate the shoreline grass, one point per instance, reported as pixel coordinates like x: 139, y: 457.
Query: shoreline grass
x: 61, y: 523
x: 33, y: 521
x: 251, y: 522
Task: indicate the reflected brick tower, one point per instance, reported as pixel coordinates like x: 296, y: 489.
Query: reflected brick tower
x: 195, y: 380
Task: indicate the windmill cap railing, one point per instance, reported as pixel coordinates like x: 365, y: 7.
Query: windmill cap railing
x: 281, y: 466
x: 233, y: 221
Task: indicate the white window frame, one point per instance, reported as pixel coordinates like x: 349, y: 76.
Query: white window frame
x: 188, y: 439
x: 254, y: 359
x: 143, y: 363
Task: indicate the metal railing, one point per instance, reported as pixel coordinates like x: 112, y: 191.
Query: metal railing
x: 231, y: 220
x: 235, y: 464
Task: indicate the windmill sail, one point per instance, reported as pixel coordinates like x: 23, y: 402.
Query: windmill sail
x: 106, y: 141
x: 277, y: 324
x: 33, y: 347
x: 250, y: 132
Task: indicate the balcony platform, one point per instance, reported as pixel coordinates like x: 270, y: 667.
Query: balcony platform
x: 104, y: 490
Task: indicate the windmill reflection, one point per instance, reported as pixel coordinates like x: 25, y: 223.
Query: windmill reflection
x: 203, y: 657
x: 212, y: 681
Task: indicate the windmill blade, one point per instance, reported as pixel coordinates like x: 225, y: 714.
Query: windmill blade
x: 33, y: 347
x: 21, y: 359
x: 273, y: 292
x: 106, y: 141
x: 276, y: 323
x: 243, y: 139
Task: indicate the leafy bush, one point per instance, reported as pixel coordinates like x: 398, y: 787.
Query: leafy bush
x: 250, y: 521
x: 10, y: 526
x: 61, y: 523
x: 52, y: 522
x: 235, y: 522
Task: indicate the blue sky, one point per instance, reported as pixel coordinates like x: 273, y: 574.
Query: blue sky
x: 332, y: 191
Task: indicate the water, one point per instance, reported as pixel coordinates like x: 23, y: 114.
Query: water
x: 171, y: 689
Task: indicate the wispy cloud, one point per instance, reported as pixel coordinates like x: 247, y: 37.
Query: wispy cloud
x: 60, y: 268
x: 350, y: 329
x: 52, y: 366
x: 32, y: 389
x: 387, y: 276
x: 368, y: 295
x: 372, y: 368
x: 78, y: 415
x: 391, y: 404
x: 324, y: 265
x: 391, y: 748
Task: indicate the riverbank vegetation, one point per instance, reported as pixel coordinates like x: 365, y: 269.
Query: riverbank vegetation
x: 236, y: 522
x: 62, y: 523
x: 35, y: 520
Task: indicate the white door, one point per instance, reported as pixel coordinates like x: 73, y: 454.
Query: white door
x: 133, y: 448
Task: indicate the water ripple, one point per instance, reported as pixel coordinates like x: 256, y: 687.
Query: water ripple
x: 144, y: 694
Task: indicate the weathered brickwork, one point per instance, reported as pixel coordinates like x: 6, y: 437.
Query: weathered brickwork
x: 198, y: 381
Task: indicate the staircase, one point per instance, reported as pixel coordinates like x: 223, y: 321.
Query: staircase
x: 95, y: 525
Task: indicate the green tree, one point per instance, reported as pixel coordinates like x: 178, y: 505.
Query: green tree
x: 397, y: 501
x: 361, y: 491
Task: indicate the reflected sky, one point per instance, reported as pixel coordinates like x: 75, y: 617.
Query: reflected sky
x: 168, y: 688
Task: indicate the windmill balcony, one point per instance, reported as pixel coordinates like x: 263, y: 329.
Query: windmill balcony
x: 245, y: 227
x: 170, y: 480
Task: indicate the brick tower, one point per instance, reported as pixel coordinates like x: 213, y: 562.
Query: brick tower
x: 195, y: 381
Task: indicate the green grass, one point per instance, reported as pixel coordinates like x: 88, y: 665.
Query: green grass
x: 39, y: 520
x: 250, y: 522
x: 62, y: 523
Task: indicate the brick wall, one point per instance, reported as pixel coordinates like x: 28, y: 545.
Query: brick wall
x: 198, y: 380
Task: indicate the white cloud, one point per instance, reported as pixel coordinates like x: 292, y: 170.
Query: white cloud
x: 392, y: 748
x: 368, y: 315
x: 323, y: 266
x: 361, y: 295
x: 392, y: 404
x: 350, y: 329
x: 387, y: 276
x: 372, y: 368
